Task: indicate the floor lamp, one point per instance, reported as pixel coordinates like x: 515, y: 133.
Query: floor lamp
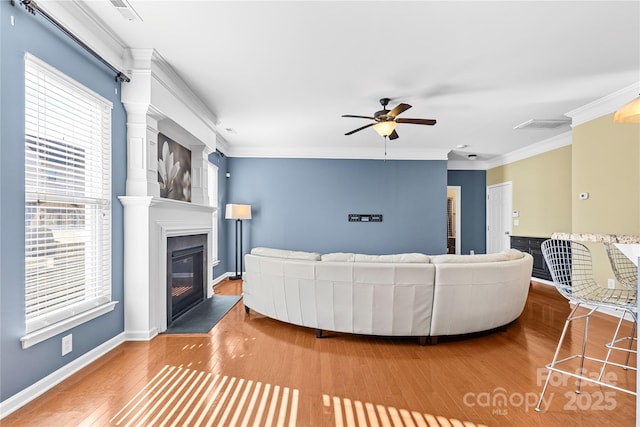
x: 238, y: 212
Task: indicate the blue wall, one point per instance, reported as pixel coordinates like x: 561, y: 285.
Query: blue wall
x: 302, y: 204
x: 473, y: 206
x: 21, y: 368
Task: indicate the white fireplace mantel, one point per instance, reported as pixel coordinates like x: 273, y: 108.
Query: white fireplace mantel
x: 148, y: 222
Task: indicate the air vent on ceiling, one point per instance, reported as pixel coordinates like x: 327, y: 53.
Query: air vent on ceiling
x: 126, y: 10
x: 544, y: 124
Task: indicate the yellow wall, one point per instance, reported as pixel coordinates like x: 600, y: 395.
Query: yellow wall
x: 604, y: 161
x: 606, y: 165
x: 541, y: 192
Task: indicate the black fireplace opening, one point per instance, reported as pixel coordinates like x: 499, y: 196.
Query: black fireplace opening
x: 186, y: 265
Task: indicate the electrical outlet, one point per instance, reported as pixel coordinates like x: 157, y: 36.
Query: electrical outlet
x: 611, y: 284
x: 67, y: 344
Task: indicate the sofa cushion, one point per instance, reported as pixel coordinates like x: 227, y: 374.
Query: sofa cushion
x: 339, y: 256
x: 514, y: 254
x: 395, y: 258
x: 282, y: 253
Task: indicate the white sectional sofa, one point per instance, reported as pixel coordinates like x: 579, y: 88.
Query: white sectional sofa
x: 388, y: 295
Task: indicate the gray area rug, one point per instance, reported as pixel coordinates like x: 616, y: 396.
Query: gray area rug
x: 202, y: 318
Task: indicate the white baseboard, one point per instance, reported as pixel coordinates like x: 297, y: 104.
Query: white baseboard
x: 222, y: 277
x: 543, y: 281
x: 25, y: 396
x: 140, y: 335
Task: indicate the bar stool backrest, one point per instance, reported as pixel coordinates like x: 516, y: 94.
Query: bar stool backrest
x: 570, y: 265
x: 625, y: 271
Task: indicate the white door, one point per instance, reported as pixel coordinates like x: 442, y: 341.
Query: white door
x: 498, y: 217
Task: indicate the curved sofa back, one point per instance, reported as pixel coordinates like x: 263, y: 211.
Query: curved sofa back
x: 360, y: 298
x: 472, y: 297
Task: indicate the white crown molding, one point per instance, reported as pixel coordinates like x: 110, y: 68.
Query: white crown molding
x: 171, y: 78
x: 467, y: 165
x: 541, y: 147
x: 89, y: 28
x: 364, y: 153
x: 98, y: 36
x: 603, y: 106
x: 155, y: 83
x: 223, y: 145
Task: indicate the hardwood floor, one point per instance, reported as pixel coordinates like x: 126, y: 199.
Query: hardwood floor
x: 251, y: 370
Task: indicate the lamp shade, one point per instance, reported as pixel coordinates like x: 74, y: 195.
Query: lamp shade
x: 385, y: 128
x: 234, y: 211
x: 628, y: 113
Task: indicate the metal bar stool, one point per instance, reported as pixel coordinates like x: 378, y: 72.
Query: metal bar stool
x: 626, y: 273
x: 571, y: 269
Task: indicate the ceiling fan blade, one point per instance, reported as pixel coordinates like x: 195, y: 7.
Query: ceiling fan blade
x: 358, y: 117
x: 360, y: 128
x: 393, y: 135
x: 429, y: 122
x: 398, y: 109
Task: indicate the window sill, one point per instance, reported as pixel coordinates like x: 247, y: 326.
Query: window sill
x: 40, y: 335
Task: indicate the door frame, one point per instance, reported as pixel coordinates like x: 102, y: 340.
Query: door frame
x: 458, y: 207
x: 508, y: 184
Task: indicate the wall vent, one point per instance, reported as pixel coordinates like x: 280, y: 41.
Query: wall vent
x: 544, y: 124
x: 126, y: 10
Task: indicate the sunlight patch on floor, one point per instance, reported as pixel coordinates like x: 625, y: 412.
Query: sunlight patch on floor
x: 181, y: 396
x: 350, y: 413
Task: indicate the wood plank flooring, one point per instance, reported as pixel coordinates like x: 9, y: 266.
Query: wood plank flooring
x: 251, y: 370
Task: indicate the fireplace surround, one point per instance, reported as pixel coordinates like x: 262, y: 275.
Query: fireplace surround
x: 148, y: 224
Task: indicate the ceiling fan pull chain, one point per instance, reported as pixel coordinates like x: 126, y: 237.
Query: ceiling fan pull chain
x: 385, y: 149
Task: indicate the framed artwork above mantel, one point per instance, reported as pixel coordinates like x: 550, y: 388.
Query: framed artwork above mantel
x: 174, y: 169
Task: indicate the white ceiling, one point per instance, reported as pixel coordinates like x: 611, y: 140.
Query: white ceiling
x: 280, y: 74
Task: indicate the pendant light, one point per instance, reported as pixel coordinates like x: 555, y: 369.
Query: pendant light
x: 628, y: 113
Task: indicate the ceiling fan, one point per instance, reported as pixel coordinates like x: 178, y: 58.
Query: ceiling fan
x: 385, y: 121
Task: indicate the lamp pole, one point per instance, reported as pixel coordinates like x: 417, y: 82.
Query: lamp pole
x: 238, y: 275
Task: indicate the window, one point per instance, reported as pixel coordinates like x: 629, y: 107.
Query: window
x: 67, y: 202
x: 212, y: 186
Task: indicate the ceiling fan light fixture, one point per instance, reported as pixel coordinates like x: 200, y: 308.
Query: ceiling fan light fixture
x: 385, y: 128
x: 628, y: 113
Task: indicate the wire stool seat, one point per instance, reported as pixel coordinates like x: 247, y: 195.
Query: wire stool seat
x: 571, y: 269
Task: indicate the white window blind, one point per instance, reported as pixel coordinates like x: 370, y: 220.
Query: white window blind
x: 67, y: 197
